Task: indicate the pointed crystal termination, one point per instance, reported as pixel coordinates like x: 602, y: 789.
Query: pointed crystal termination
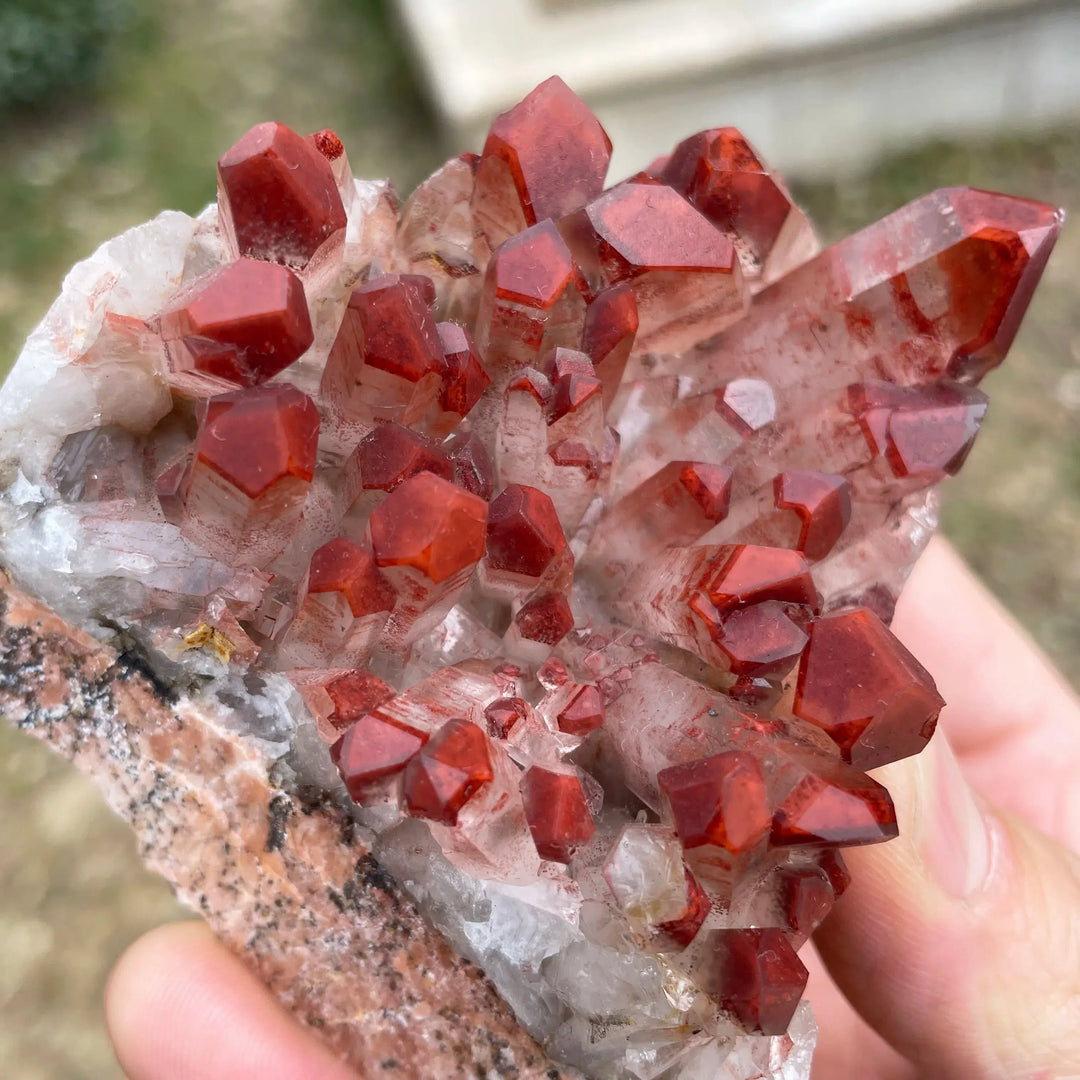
x: 611, y: 325
x: 343, y: 611
x: 524, y: 534
x: 448, y: 771
x: 526, y: 545
x: 373, y: 748
x: 504, y: 714
x: 691, y: 596
x: 723, y: 176
x: 710, y: 427
x: 236, y: 326
x: 584, y: 714
x: 936, y: 289
x: 436, y: 233
x: 800, y: 509
x: 99, y: 465
x: 576, y: 408
x: 384, y: 458
x: 521, y: 435
x: 545, y: 618
x: 684, y: 927
x: 806, y: 898
x: 544, y: 158
x: 922, y: 432
x: 861, y: 686
x: 672, y: 508
x: 328, y: 143
x: 644, y: 871
x: 532, y: 298
x: 337, y: 699
x: 718, y: 801
x: 683, y: 270
x: 756, y: 976
x: 253, y: 463
x: 823, y: 504
x: 465, y: 380
x: 662, y: 718
x: 832, y: 804
x: 427, y: 536
x: 473, y: 469
x: 390, y: 454
x: 278, y: 197
x: 655, y: 891
x: 387, y: 361
x: 557, y: 812
x: 758, y: 641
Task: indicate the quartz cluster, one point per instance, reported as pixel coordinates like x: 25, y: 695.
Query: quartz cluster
x: 553, y: 528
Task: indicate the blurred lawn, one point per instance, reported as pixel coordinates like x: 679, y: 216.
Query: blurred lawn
x: 182, y: 83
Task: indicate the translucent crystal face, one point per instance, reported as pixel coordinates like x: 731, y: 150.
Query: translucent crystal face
x: 574, y: 517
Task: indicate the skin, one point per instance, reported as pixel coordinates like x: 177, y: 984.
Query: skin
x: 954, y: 955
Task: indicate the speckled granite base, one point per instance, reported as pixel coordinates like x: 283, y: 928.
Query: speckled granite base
x: 286, y: 885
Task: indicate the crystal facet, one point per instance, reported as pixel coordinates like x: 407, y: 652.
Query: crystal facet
x: 237, y: 326
x: 718, y: 800
x: 253, y: 462
x: 859, y: 684
x: 544, y: 158
x: 722, y: 175
x: 447, y: 772
x: 557, y: 812
x: 757, y: 977
x: 278, y: 197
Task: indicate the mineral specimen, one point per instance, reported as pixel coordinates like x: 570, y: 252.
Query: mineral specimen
x: 550, y: 533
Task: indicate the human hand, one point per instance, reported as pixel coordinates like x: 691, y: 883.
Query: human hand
x: 180, y: 1006
x: 959, y: 942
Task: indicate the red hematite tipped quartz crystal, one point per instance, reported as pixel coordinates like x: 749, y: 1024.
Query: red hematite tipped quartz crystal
x: 277, y: 196
x: 373, y: 747
x: 862, y: 687
x: 523, y: 532
x: 447, y: 772
x: 241, y: 325
x: 253, y: 462
x: 557, y: 812
x: 719, y: 800
x: 544, y: 534
x: 721, y: 174
x: 544, y: 158
x: 757, y: 977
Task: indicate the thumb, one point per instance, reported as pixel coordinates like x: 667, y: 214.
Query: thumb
x: 960, y: 941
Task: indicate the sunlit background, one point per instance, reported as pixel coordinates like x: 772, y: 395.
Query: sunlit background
x: 111, y: 110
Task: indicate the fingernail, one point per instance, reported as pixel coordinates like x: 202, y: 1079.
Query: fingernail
x: 956, y: 840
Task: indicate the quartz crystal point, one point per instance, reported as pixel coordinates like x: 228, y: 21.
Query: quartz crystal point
x: 239, y: 325
x: 278, y: 197
x: 544, y: 158
x: 536, y: 540
x: 721, y: 174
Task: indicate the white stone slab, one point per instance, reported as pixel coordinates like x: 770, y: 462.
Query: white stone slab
x: 818, y: 85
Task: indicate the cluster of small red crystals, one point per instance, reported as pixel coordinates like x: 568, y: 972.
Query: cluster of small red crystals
x: 574, y: 552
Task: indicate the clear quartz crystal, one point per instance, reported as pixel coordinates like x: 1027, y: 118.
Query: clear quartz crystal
x: 506, y: 521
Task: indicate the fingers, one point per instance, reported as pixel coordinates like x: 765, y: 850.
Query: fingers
x: 1013, y: 720
x: 960, y: 941
x: 180, y: 1006
x: 847, y: 1046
